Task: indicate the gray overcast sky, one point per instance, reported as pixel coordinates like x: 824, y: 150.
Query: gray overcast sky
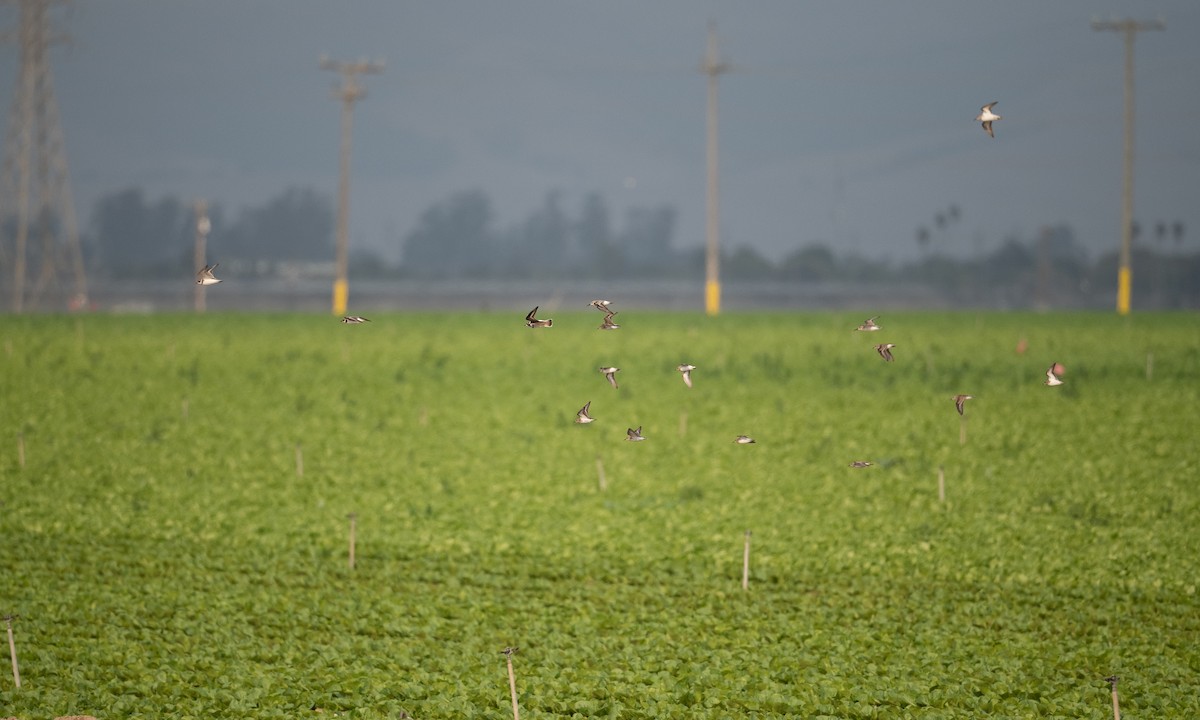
x: 849, y: 123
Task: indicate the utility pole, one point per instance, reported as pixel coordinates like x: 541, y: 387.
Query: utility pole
x: 349, y: 92
x: 713, y: 68
x: 1124, y: 273
x: 200, y: 258
x: 35, y: 174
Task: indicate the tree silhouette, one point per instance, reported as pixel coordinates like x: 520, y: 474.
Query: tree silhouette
x: 452, y: 238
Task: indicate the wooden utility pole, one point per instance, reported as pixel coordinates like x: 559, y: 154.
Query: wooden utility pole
x: 35, y: 174
x: 1124, y: 272
x: 348, y: 92
x: 713, y: 68
x: 200, y: 258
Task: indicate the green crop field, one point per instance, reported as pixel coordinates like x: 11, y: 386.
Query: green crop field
x: 176, y: 491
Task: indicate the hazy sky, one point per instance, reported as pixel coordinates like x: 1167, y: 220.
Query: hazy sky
x: 849, y: 123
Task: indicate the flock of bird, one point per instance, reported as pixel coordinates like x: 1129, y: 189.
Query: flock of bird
x: 583, y: 416
x: 986, y: 117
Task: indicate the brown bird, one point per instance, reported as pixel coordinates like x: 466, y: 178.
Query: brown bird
x: 861, y: 464
x: 532, y: 321
x: 743, y: 440
x: 608, y: 324
x: 885, y: 351
x: 686, y: 371
x: 355, y: 320
x: 611, y: 374
x: 1052, y: 377
x: 582, y: 416
x: 634, y: 435
x: 986, y: 116
x: 601, y: 305
x: 206, y: 277
x: 960, y: 399
x: 869, y: 325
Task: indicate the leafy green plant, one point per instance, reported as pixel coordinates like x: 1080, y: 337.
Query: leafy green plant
x: 176, y: 565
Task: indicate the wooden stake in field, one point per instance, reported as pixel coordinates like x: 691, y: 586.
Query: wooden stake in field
x: 21, y: 449
x: 600, y: 474
x: 941, y: 484
x: 746, y: 563
x: 299, y: 461
x: 353, y: 517
x: 512, y: 680
x: 12, y: 649
x: 1112, y: 683
x: 962, y: 430
x: 683, y: 423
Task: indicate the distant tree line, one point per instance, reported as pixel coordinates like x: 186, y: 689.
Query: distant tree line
x: 131, y: 236
x: 457, y: 238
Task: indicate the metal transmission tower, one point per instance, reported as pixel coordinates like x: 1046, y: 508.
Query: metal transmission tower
x: 349, y: 92
x: 1124, y: 273
x: 713, y: 68
x: 39, y: 239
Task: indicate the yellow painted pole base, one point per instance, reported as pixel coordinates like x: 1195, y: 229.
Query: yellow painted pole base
x: 712, y: 297
x: 1124, y: 290
x: 341, y: 293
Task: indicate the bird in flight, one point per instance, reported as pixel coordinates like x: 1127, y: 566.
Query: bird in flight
x: 861, y: 464
x: 601, y: 305
x: 582, y: 416
x: 634, y: 435
x: 355, y: 320
x: 1052, y: 377
x: 532, y: 321
x: 869, y: 325
x: 608, y: 323
x: 960, y: 399
x: 744, y: 440
x: 885, y: 351
x: 686, y: 370
x: 986, y: 116
x: 611, y: 374
x: 206, y: 277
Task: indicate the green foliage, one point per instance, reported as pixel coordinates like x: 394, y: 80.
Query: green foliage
x: 166, y: 559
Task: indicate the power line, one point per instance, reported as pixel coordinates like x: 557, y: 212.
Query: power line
x: 1130, y: 28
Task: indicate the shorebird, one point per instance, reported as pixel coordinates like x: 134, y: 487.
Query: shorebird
x: 885, y: 351
x: 355, y: 320
x: 205, y: 276
x: 686, y: 370
x: 582, y: 416
x: 509, y: 651
x: 532, y: 321
x: 608, y: 324
x: 869, y: 325
x: 601, y: 305
x: 1052, y: 378
x: 634, y: 435
x: 960, y: 399
x: 744, y: 440
x: 986, y: 116
x: 861, y: 464
x: 611, y: 374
